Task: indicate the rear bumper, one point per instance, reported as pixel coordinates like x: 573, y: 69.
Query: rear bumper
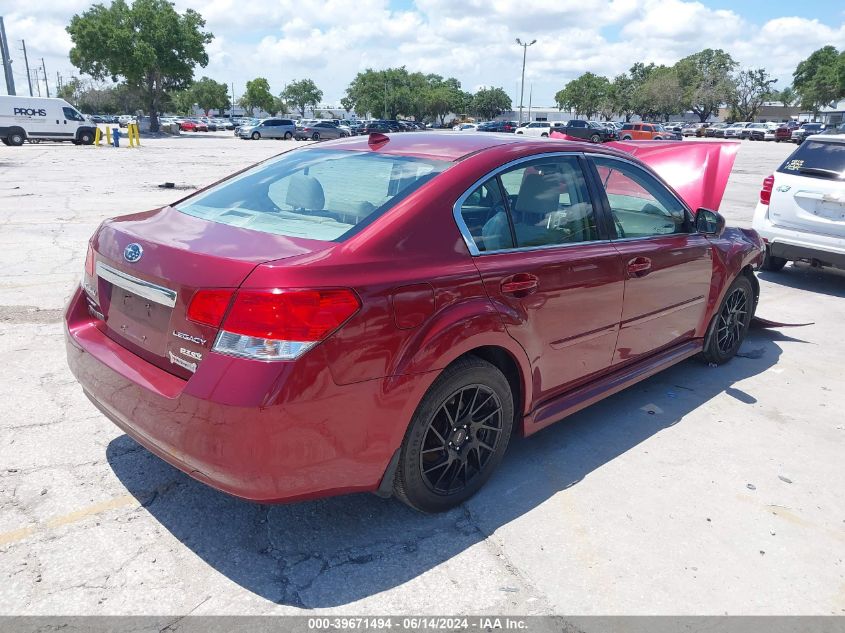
x: 793, y: 245
x: 266, y: 432
x: 794, y: 252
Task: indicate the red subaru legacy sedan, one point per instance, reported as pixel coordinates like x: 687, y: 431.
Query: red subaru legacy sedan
x: 382, y: 313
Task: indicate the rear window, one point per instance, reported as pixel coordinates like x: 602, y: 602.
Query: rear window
x: 313, y: 194
x: 817, y: 159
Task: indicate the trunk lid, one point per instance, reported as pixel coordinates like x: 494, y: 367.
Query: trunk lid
x: 809, y: 188
x: 143, y: 291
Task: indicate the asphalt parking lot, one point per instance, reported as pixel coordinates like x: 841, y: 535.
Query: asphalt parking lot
x: 699, y: 491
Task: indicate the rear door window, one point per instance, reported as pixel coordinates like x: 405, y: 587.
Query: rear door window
x: 817, y: 159
x: 549, y: 202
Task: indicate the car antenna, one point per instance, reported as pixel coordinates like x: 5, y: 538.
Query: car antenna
x: 377, y: 139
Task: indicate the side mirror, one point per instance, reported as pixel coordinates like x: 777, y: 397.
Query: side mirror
x: 709, y: 222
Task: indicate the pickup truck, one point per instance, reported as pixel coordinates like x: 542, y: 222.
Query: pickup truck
x: 587, y: 130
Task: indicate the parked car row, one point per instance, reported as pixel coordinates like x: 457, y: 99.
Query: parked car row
x: 592, y: 131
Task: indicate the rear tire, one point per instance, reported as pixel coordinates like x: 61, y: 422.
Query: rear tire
x: 626, y: 138
x: 457, y: 437
x: 730, y: 324
x: 315, y: 136
x: 288, y: 136
x: 771, y: 263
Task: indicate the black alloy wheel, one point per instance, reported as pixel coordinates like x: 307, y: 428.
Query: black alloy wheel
x: 730, y: 325
x: 457, y: 436
x: 732, y: 321
x: 461, y: 438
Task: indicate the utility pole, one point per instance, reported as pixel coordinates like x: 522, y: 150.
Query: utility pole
x: 530, y: 95
x: 385, y: 98
x: 58, y: 83
x: 522, y: 88
x: 46, y: 86
x: 37, y: 81
x: 7, y: 61
x: 26, y: 63
x: 232, y: 110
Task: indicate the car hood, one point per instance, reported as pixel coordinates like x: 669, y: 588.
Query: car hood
x: 698, y: 172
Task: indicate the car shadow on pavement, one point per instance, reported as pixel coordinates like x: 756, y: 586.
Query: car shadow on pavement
x: 828, y: 281
x: 332, y: 552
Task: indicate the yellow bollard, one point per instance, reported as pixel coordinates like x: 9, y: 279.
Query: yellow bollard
x: 133, y: 134
x: 108, y: 135
x: 97, y: 137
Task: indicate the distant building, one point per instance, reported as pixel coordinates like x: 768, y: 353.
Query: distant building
x: 832, y: 115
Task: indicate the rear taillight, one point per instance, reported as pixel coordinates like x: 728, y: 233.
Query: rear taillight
x: 278, y: 324
x: 209, y: 306
x: 766, y: 191
x: 89, y: 262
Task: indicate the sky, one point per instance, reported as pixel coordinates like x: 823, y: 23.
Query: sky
x: 329, y: 41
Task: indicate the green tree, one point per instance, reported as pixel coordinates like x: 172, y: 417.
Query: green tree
x: 820, y: 79
x: 210, y: 95
x: 586, y: 94
x: 786, y: 97
x: 489, y: 103
x: 149, y: 44
x: 621, y: 94
x: 660, y: 95
x: 705, y: 78
x: 302, y: 93
x: 753, y: 87
x: 257, y: 95
x: 182, y: 101
x: 72, y: 91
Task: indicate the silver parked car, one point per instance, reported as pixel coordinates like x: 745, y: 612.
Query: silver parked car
x: 268, y: 128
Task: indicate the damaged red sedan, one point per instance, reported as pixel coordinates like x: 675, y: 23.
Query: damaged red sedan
x: 382, y: 313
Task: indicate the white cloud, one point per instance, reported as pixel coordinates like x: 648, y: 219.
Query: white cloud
x: 331, y: 40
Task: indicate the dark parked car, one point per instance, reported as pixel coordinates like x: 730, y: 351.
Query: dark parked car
x: 320, y: 131
x: 581, y: 129
x: 497, y: 126
x: 801, y: 133
x: 717, y: 130
x: 381, y: 127
x: 383, y: 316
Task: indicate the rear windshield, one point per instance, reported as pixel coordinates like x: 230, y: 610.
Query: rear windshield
x: 313, y: 194
x: 817, y: 159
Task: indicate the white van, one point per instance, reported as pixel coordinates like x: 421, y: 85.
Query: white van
x: 23, y: 118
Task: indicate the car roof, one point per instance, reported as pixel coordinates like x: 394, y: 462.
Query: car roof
x: 827, y: 138
x: 454, y: 147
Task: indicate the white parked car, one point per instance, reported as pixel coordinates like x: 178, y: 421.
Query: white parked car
x: 769, y: 131
x: 735, y: 130
x: 801, y: 213
x: 465, y: 127
x: 542, y: 128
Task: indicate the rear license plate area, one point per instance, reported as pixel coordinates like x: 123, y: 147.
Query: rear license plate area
x: 141, y: 321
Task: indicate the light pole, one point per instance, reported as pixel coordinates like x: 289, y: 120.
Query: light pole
x: 522, y: 85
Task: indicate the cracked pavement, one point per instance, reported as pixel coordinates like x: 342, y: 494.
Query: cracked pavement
x: 700, y: 491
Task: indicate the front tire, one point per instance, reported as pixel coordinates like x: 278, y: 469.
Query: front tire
x: 457, y: 437
x: 730, y: 325
x: 595, y: 138
x: 255, y: 136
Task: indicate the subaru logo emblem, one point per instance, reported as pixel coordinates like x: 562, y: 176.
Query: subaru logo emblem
x: 132, y: 253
